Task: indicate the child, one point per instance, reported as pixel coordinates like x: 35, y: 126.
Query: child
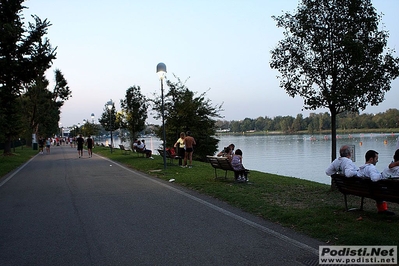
x: 236, y: 163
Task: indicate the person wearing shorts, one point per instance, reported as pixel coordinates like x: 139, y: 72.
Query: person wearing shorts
x: 80, y: 141
x: 189, y: 143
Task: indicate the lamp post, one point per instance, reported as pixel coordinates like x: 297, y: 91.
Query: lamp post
x: 92, y: 118
x: 161, y: 71
x: 110, y: 104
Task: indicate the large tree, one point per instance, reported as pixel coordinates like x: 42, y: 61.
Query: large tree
x: 334, y: 55
x: 42, y: 107
x: 186, y: 111
x: 134, y: 111
x: 24, y: 55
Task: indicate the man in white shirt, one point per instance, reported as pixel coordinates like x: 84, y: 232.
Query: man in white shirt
x: 368, y: 170
x: 343, y: 165
x: 392, y: 172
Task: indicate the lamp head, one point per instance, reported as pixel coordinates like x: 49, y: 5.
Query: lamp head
x: 110, y: 104
x: 161, y: 70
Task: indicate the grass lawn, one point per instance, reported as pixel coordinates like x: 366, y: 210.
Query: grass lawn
x: 305, y: 206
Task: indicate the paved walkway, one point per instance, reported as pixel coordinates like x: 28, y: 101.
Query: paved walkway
x: 59, y: 209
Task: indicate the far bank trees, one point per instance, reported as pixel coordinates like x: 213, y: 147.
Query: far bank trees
x: 334, y: 55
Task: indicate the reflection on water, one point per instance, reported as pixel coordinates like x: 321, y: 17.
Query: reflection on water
x: 301, y: 156
x: 306, y: 156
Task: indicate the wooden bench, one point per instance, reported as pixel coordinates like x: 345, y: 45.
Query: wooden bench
x: 222, y: 163
x: 124, y: 150
x: 168, y: 155
x: 386, y: 189
x: 139, y: 152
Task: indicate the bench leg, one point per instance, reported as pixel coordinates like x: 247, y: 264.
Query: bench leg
x: 361, y: 204
x: 346, y: 203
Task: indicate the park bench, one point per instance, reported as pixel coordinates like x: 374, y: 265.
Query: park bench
x: 222, y: 163
x: 124, y: 150
x: 138, y: 151
x: 169, y: 154
x: 385, y: 189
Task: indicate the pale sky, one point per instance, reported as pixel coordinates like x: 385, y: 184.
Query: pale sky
x: 222, y: 46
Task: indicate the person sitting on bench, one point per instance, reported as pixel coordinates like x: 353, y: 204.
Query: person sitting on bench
x: 140, y: 147
x: 343, y: 165
x: 368, y: 170
x: 227, y: 152
x: 236, y: 163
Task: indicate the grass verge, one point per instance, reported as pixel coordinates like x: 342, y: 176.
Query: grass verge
x: 307, y: 207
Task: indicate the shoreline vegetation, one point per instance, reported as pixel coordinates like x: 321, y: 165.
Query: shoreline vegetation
x: 307, y: 207
x: 322, y: 132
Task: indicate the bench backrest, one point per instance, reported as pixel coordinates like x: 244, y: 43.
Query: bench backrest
x: 220, y: 162
x: 167, y: 154
x: 387, y: 189
x: 353, y: 185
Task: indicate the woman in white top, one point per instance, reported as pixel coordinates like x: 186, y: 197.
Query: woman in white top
x: 180, y: 147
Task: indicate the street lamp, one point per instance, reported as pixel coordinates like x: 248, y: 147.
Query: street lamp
x: 92, y: 118
x: 110, y: 104
x: 161, y: 71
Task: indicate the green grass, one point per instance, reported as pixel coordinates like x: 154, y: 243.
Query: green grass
x: 18, y: 157
x: 307, y: 207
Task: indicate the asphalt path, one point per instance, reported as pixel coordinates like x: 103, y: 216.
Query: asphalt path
x: 59, y: 209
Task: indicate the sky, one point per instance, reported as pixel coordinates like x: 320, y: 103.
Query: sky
x: 219, y: 47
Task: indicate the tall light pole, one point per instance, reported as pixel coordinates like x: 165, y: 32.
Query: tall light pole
x: 110, y: 104
x: 161, y: 71
x: 92, y: 118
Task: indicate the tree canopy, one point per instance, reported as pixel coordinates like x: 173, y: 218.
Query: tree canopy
x: 186, y: 111
x: 25, y: 55
x: 134, y: 111
x: 334, y: 55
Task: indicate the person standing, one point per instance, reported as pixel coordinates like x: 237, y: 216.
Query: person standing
x: 368, y: 170
x: 189, y: 143
x: 80, y: 141
x: 180, y: 147
x: 90, y: 146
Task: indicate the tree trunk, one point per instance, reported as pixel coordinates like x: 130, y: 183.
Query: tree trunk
x: 333, y: 140
x: 7, y: 146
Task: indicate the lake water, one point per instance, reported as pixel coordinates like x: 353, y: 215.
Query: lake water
x: 301, y: 156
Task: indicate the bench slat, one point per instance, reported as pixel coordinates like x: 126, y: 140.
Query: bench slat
x: 387, y: 189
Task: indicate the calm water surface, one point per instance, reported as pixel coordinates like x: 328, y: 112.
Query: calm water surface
x: 306, y: 156
x: 300, y: 156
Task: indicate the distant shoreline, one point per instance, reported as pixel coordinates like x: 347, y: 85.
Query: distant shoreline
x: 305, y: 132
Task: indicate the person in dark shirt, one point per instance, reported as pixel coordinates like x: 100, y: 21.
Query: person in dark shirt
x: 80, y: 141
x: 90, y: 146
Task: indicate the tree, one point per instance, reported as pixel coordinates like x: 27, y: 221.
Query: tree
x: 24, y: 56
x: 110, y: 120
x: 42, y: 107
x: 134, y: 108
x: 333, y: 55
x: 186, y: 112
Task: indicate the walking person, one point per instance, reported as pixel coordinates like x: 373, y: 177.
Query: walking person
x: 41, y: 145
x: 90, y: 146
x: 180, y: 147
x: 48, y: 144
x: 80, y: 141
x: 189, y: 142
